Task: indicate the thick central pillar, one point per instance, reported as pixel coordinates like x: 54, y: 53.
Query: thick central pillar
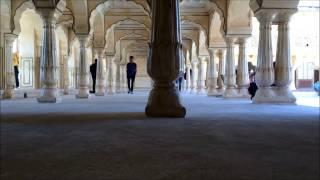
x: 49, y: 65
x: 163, y: 63
x: 110, y: 77
x: 265, y: 72
x: 202, y: 75
x: 283, y: 75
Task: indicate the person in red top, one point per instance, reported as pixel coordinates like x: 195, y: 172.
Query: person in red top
x: 131, y: 74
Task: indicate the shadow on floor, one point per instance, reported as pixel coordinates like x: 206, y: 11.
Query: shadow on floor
x: 65, y: 118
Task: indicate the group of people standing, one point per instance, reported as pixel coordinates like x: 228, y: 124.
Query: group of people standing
x: 131, y: 74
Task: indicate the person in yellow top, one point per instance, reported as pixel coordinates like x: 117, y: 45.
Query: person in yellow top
x: 15, y: 60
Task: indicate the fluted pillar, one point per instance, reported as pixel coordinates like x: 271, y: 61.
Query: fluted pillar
x: 117, y: 78
x: 221, y: 71
x: 66, y: 81
x: 101, y: 74
x: 283, y: 70
x: 162, y: 67
x: 9, y: 81
x: 242, y: 71
x: 123, y: 78
x: 202, y: 75
x: 110, y: 78
x: 264, y: 73
x: 48, y: 61
x: 83, y: 91
x: 230, y: 75
x: 194, y: 77
x: 212, y: 75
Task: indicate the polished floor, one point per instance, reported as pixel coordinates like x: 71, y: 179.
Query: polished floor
x: 109, y: 138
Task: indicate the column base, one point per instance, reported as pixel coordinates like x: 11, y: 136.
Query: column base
x: 49, y: 96
x: 264, y: 95
x: 82, y: 94
x: 284, y: 95
x: 100, y: 92
x: 201, y: 91
x: 231, y: 93
x: 7, y: 94
x: 213, y: 92
x: 164, y: 102
x: 243, y: 92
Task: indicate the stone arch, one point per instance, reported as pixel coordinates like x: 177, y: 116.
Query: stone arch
x: 16, y: 28
x: 103, y: 7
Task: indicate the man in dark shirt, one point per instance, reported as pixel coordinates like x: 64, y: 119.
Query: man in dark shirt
x: 93, y: 71
x: 131, y: 74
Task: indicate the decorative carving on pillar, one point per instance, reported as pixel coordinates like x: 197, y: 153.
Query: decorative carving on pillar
x: 163, y: 62
x: 101, y: 74
x: 283, y: 67
x: 242, y: 71
x: 49, y: 64
x: 10, y: 83
x: 212, y: 75
x: 230, y: 75
x: 265, y: 72
x: 83, y: 68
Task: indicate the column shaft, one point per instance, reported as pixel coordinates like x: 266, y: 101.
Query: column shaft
x: 101, y: 74
x: 230, y: 77
x: 265, y: 72
x: 49, y: 64
x: 194, y: 77
x: 83, y: 69
x: 212, y: 75
x: 283, y: 75
x: 163, y: 68
x: 242, y: 71
x: 221, y: 71
x: 110, y: 78
x: 9, y: 73
x: 202, y: 76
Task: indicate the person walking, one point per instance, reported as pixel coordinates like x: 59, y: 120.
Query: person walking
x: 16, y: 68
x: 93, y: 71
x: 131, y: 74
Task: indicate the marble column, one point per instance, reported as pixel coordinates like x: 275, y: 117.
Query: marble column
x: 283, y: 68
x: 221, y: 71
x: 188, y: 77
x: 264, y: 73
x: 163, y: 68
x: 202, y: 75
x: 49, y: 64
x: 242, y: 71
x: 117, y: 78
x: 230, y: 75
x: 83, y: 69
x: 110, y: 78
x: 66, y: 81
x: 123, y: 78
x: 9, y: 81
x: 212, y: 75
x: 194, y: 77
x: 101, y: 74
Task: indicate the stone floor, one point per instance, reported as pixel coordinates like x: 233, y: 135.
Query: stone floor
x: 110, y: 138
